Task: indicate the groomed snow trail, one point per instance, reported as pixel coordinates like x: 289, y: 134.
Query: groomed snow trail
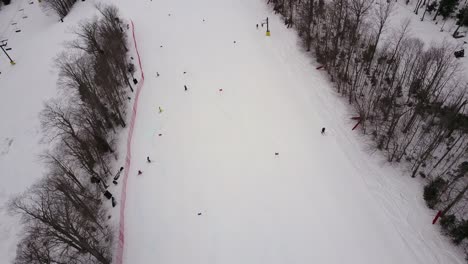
x: 323, y: 199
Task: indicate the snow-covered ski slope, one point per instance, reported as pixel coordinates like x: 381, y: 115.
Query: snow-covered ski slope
x: 323, y: 199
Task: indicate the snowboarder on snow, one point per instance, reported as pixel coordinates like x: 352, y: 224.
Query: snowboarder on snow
x: 323, y: 130
x: 148, y: 159
x: 157, y: 74
x: 139, y: 172
x: 185, y: 86
x: 257, y: 26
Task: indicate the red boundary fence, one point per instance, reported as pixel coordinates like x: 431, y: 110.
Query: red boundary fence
x: 436, y: 217
x: 128, y: 159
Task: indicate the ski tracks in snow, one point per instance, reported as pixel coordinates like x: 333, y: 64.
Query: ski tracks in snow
x: 207, y: 126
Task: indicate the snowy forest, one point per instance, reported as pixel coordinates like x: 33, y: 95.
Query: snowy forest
x: 411, y: 98
x: 65, y: 213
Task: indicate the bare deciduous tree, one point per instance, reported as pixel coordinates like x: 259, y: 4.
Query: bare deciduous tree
x: 63, y: 214
x: 61, y: 7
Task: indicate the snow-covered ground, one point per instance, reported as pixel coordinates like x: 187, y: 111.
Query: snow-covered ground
x: 23, y: 88
x: 323, y: 199
x: 427, y: 30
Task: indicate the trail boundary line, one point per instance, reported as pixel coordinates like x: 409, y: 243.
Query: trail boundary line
x: 128, y: 158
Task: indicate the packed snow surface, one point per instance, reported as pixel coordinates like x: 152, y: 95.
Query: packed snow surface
x: 215, y: 192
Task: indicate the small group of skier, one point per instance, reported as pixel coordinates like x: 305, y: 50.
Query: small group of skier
x: 109, y: 196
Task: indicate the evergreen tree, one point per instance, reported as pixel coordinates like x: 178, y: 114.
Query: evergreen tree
x: 432, y: 191
x: 446, y: 8
x: 462, y: 17
x: 460, y: 232
x: 432, y: 7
